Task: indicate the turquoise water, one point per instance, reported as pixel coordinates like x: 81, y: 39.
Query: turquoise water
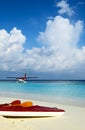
x: 53, y: 91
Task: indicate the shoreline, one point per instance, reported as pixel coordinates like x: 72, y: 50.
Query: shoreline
x: 73, y: 118
x: 79, y: 102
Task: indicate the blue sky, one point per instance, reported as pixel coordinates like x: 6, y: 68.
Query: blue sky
x: 43, y: 37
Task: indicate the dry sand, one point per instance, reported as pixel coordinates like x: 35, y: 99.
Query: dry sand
x: 73, y: 119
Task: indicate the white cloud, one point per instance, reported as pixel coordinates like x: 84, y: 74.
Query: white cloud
x: 64, y: 8
x: 61, y: 38
x: 61, y: 34
x: 11, y: 48
x: 59, y: 51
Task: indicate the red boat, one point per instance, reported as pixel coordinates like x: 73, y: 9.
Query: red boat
x: 27, y: 109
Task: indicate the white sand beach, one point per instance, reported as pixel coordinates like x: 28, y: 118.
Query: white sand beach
x: 73, y: 119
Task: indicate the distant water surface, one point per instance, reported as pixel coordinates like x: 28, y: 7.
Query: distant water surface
x: 54, y: 91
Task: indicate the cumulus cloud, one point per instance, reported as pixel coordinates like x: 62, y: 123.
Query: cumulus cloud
x: 11, y: 48
x: 64, y: 8
x: 59, y: 51
x: 61, y: 39
x: 60, y: 33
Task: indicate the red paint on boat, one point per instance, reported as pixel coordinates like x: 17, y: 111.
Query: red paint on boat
x: 34, y: 108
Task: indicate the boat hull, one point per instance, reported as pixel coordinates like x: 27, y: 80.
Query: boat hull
x: 30, y: 114
x: 33, y: 111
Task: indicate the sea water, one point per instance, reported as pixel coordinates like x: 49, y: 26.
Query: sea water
x: 67, y: 92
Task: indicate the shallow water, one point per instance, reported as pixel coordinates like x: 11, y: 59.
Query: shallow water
x: 67, y: 92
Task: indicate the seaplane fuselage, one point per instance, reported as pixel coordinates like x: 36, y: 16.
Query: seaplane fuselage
x: 22, y: 79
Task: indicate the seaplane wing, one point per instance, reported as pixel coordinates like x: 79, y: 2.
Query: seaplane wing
x: 13, y: 77
x: 22, y: 77
x: 32, y: 77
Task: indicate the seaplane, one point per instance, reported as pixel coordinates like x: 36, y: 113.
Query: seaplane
x: 22, y: 79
